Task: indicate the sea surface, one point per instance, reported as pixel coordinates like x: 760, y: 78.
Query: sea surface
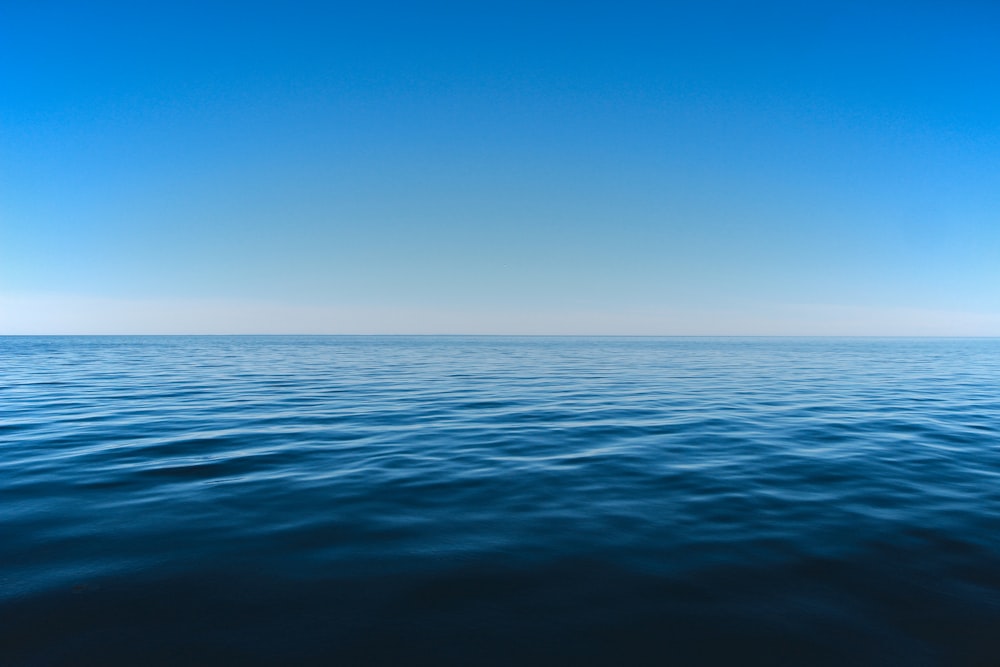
x: 499, y: 501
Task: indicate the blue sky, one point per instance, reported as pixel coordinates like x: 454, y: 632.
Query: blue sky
x: 606, y: 168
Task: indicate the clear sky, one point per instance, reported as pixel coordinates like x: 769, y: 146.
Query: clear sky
x: 471, y: 167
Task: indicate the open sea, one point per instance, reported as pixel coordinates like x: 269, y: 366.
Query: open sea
x: 499, y: 501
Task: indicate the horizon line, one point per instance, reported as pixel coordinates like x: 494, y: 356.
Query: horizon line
x: 477, y: 335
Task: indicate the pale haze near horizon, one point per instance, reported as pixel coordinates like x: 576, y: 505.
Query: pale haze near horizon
x: 708, y: 169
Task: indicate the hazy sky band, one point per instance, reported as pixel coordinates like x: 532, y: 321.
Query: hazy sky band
x: 564, y: 168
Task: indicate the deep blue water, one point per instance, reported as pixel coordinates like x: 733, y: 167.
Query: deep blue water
x: 452, y: 500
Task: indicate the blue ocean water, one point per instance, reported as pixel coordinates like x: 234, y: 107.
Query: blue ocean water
x: 491, y: 500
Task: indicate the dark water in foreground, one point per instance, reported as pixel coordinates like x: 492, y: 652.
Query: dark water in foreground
x: 314, y: 500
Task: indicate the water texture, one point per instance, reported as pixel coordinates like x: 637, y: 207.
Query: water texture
x: 453, y: 500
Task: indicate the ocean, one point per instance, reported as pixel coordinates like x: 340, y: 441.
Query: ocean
x: 338, y: 500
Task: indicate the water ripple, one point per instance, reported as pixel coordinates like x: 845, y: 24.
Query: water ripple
x: 494, y: 500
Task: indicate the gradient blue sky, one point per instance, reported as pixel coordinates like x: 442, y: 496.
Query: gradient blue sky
x: 620, y: 168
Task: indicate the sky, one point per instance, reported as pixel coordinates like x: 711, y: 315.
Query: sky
x: 685, y: 168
